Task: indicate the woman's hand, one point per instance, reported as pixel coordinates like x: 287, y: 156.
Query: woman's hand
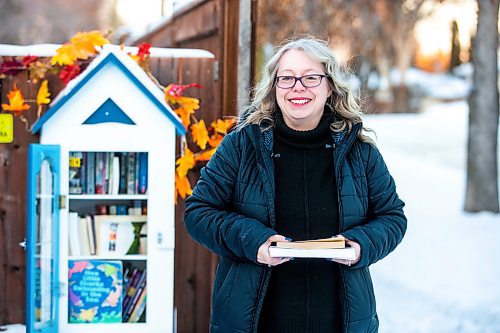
x: 357, y: 250
x: 263, y: 255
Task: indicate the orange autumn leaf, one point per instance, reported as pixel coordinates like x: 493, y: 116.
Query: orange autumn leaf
x: 185, y: 115
x: 189, y: 102
x: 88, y: 41
x: 200, y: 134
x: 215, y: 140
x: 182, y: 187
x: 186, y: 102
x: 222, y: 126
x: 205, y: 155
x: 16, y: 102
x: 43, y: 93
x: 185, y: 163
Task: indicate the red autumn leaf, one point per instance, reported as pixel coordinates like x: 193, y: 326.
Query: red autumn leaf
x: 176, y: 90
x: 29, y: 60
x: 10, y: 67
x: 69, y: 72
x: 143, y: 51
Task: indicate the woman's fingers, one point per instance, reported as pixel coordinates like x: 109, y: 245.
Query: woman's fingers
x: 263, y: 255
x: 357, y: 251
x: 276, y: 238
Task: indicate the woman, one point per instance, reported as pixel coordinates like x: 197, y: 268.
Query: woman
x: 297, y: 167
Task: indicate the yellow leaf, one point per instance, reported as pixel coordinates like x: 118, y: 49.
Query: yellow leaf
x: 43, y: 93
x: 88, y: 41
x: 185, y: 115
x: 222, y: 126
x: 185, y: 163
x: 204, y: 156
x: 16, y: 102
x: 189, y: 102
x: 182, y: 187
x: 80, y: 46
x: 186, y: 102
x: 200, y: 134
x: 67, y: 55
x: 134, y: 57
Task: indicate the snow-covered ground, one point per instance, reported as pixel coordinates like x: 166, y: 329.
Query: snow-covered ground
x: 445, y: 275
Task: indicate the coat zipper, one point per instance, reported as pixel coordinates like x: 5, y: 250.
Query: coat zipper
x: 342, y: 277
x: 337, y: 170
x: 264, y: 281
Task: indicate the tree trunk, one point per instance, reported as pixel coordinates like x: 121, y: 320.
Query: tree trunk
x: 482, y: 177
x: 455, y: 46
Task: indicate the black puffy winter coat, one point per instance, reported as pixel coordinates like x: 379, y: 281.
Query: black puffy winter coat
x: 231, y: 212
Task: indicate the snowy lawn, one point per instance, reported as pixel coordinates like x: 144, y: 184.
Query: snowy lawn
x: 445, y: 275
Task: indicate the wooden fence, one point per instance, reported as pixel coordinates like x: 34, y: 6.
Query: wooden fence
x: 211, y: 25
x: 207, y: 24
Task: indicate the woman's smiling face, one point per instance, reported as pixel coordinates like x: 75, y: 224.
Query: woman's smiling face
x: 302, y: 107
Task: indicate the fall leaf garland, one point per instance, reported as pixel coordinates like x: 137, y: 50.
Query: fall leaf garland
x: 206, y: 139
x: 69, y: 61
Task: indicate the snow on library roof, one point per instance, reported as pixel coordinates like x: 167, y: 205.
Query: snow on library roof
x: 49, y: 50
x: 129, y: 67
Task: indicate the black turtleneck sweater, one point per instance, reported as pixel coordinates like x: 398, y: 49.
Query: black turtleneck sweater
x: 303, y: 294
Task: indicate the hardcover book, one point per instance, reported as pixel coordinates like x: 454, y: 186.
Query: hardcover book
x: 115, y: 234
x: 314, y: 244
x: 94, y: 291
x: 91, y: 173
x: 139, y: 308
x: 75, y: 172
x: 139, y: 289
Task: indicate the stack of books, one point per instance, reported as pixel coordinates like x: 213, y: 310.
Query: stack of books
x: 334, y: 248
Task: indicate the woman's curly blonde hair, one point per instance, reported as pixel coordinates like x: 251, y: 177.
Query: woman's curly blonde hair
x: 343, y: 103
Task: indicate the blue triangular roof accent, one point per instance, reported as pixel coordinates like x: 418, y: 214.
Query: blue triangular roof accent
x: 109, y: 112
x: 111, y: 58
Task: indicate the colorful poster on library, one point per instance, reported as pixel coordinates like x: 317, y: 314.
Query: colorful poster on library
x: 95, y: 291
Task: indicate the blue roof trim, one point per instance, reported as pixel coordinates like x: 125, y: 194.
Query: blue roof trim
x: 108, y: 112
x: 110, y: 58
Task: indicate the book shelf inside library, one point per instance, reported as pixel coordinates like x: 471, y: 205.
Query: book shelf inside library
x: 107, y: 237
x: 113, y: 173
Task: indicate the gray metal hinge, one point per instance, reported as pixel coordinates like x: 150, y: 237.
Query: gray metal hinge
x: 216, y: 70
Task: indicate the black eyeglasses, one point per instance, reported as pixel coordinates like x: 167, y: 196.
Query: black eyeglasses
x: 308, y: 81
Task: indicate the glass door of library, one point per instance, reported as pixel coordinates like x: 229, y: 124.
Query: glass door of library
x: 42, y: 239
